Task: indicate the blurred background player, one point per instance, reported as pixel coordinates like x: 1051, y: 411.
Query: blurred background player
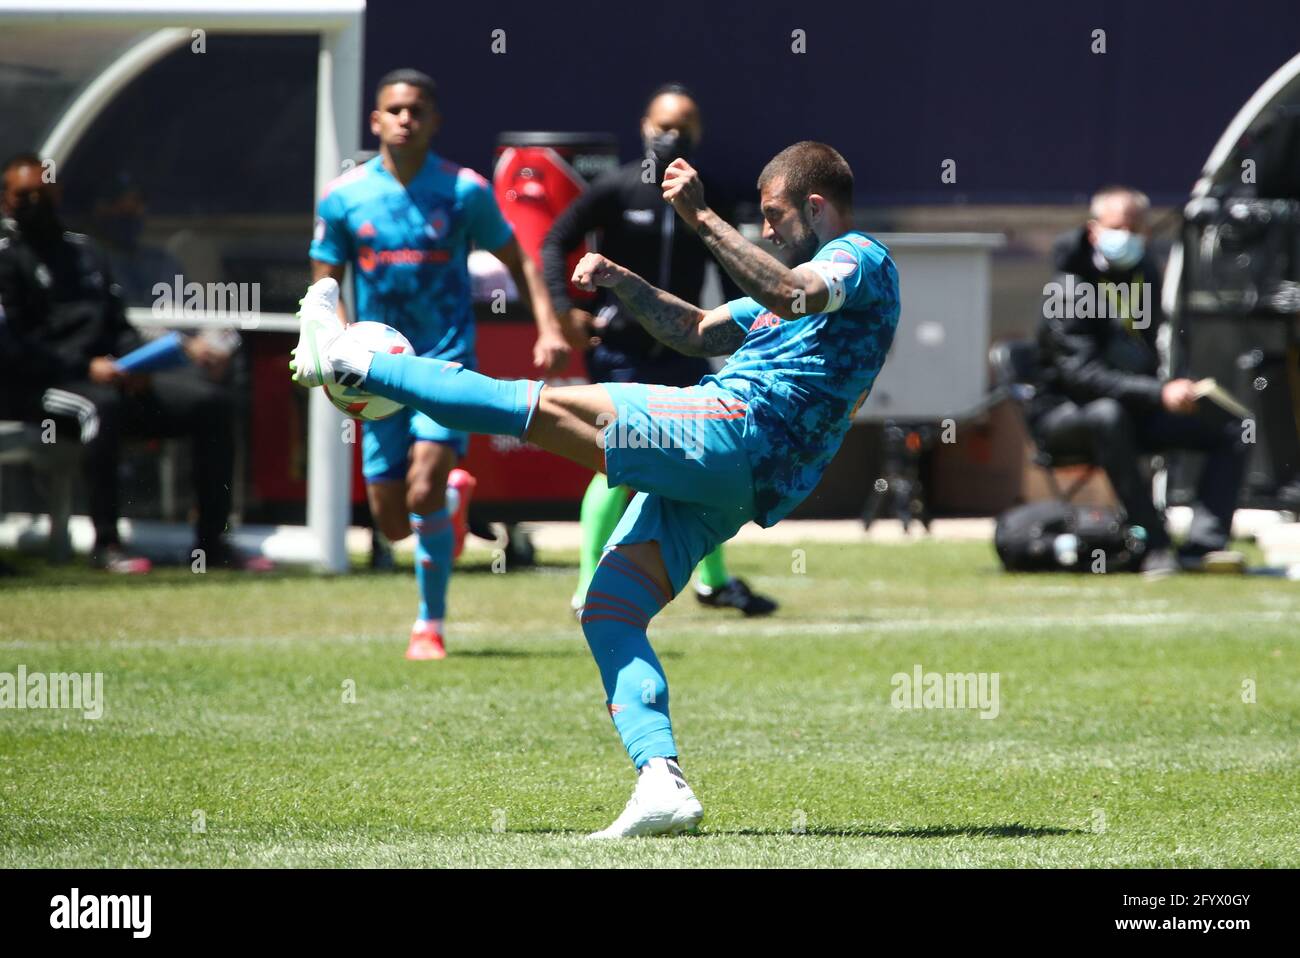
x: 405, y: 221
x: 639, y: 231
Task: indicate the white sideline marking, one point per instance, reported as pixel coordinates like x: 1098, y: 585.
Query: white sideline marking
x: 741, y: 627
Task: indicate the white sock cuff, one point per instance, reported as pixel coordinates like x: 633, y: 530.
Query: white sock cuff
x: 347, y: 356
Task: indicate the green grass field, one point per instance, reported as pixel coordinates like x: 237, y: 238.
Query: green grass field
x: 1122, y: 737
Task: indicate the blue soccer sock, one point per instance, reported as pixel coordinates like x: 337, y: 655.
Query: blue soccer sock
x: 433, y: 544
x: 454, y: 396
x: 620, y: 603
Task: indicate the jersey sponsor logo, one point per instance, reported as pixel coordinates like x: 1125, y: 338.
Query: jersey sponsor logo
x: 318, y: 233
x: 368, y: 258
x: 366, y: 230
x: 639, y: 217
x: 764, y: 320
x: 861, y: 241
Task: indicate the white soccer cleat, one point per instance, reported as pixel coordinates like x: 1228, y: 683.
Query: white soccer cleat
x: 661, y: 804
x: 320, y: 327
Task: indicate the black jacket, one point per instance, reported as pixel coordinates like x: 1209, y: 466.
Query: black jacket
x: 60, y: 310
x: 636, y: 227
x: 1087, y: 357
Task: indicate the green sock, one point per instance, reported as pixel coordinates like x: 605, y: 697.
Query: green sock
x: 713, y: 570
x: 602, y: 507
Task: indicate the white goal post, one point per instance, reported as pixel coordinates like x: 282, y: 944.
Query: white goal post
x: 164, y: 26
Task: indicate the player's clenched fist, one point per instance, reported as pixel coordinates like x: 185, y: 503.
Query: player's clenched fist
x: 684, y: 189
x: 595, y: 270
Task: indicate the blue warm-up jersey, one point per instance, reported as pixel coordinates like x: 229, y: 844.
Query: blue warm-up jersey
x: 410, y: 247
x: 804, y: 378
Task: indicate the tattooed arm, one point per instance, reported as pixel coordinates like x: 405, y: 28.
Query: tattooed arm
x: 789, y: 293
x: 674, y: 322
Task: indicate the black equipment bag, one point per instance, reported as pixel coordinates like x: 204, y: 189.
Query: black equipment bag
x: 1059, y: 536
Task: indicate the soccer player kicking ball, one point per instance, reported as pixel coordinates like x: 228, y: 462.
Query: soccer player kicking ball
x: 406, y: 220
x: 805, y: 347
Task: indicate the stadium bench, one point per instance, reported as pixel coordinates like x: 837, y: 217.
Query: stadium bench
x: 56, y: 462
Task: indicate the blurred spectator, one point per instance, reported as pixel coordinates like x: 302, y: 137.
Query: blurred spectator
x: 64, y: 322
x: 118, y: 219
x: 1101, y: 392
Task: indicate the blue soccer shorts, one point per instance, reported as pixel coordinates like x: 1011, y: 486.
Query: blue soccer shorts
x: 683, y: 451
x: 386, y: 443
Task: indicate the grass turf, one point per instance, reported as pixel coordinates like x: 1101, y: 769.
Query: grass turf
x: 227, y: 739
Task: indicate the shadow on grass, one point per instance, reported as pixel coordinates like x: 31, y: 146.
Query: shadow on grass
x: 831, y: 831
x: 920, y: 831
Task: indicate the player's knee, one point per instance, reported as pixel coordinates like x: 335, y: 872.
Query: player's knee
x: 545, y: 418
x: 392, y: 521
x: 424, y: 497
x: 394, y: 528
x: 1106, y: 415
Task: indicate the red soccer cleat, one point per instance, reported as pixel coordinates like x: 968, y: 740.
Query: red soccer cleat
x: 464, y: 484
x: 426, y: 643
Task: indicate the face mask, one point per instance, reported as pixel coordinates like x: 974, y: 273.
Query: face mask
x: 1122, y: 249
x: 121, y: 231
x: 37, y: 220
x: 666, y: 147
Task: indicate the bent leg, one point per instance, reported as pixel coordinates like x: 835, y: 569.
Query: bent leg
x: 566, y: 420
x: 602, y: 507
x: 1221, y: 477
x: 181, y: 404
x: 1105, y: 431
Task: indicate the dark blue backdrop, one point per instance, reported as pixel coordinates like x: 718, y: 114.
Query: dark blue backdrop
x: 1009, y: 88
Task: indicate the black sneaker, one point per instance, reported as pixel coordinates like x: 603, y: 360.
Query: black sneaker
x: 736, y: 595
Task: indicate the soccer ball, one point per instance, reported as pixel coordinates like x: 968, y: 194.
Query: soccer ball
x: 358, y: 403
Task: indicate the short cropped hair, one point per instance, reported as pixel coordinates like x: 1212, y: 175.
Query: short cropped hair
x: 678, y: 89
x: 419, y: 80
x: 1139, y: 199
x: 24, y: 158
x: 810, y: 167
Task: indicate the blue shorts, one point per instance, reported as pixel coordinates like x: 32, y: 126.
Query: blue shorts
x: 386, y: 443
x: 682, y: 449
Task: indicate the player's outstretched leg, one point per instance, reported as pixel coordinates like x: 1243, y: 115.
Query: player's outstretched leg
x: 455, y: 397
x: 620, y: 602
x: 567, y: 421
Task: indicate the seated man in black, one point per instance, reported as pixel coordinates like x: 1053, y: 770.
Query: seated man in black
x: 1101, y: 392
x: 64, y: 321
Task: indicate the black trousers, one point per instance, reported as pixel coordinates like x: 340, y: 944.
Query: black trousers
x: 181, y: 404
x: 1115, y: 437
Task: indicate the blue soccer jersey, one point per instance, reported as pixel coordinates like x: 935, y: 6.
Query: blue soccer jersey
x: 804, y: 378
x: 410, y: 246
